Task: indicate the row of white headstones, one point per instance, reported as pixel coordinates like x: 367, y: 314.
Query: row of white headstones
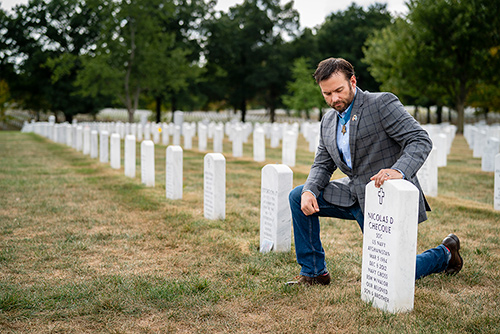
x: 83, y: 137
x: 391, y: 211
x: 484, y: 141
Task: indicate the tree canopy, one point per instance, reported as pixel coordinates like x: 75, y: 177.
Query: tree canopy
x: 442, y: 50
x: 79, y: 56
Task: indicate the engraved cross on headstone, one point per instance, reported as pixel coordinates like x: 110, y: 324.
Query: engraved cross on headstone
x: 381, y: 195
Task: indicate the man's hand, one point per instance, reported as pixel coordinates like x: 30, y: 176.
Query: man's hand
x: 308, y: 203
x: 384, y: 175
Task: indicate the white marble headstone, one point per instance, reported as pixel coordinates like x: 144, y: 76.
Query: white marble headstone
x: 139, y: 132
x: 173, y: 172
x: 259, y: 144
x: 86, y: 140
x: 202, y: 137
x: 69, y: 135
x: 428, y: 174
x: 390, y: 245
x: 497, y: 183
x: 218, y: 138
x: 275, y: 215
x: 115, y: 149
x: 104, y: 146
x: 165, y: 134
x: 129, y: 161
x: 148, y: 163
x: 214, y: 186
x: 289, y: 147
x: 490, y: 151
x: 188, y: 136
x: 147, y: 131
x: 237, y: 136
x: 94, y: 140
x: 177, y: 135
x: 441, y: 142
x: 479, y: 144
x: 156, y: 129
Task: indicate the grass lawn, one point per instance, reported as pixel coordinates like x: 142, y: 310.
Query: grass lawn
x: 84, y: 249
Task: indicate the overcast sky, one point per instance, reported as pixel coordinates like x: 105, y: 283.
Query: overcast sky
x: 312, y: 12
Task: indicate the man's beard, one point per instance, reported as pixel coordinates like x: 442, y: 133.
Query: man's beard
x: 344, y: 104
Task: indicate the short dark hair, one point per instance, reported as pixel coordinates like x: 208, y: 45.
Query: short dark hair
x: 328, y: 67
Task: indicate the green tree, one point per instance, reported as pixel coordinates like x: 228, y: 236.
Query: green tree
x: 343, y: 34
x: 136, y: 53
x: 174, y: 77
x: 450, y: 52
x: 241, y: 62
x: 304, y: 94
x: 37, y: 33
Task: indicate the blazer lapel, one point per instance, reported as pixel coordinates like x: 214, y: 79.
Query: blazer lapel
x: 356, y: 112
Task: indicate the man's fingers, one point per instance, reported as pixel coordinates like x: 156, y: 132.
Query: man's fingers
x: 309, y: 204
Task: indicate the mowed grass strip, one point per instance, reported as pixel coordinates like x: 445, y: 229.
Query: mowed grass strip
x: 85, y: 249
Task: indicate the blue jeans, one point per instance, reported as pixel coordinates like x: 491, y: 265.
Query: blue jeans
x: 310, y: 252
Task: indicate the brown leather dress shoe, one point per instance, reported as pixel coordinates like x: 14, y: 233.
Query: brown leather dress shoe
x: 306, y: 280
x: 456, y: 262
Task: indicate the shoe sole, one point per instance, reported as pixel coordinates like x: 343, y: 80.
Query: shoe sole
x: 454, y: 271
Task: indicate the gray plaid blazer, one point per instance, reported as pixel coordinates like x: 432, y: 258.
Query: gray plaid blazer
x: 382, y: 134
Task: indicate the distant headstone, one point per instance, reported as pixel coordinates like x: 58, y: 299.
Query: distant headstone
x: 188, y: 136
x: 218, y: 138
x: 86, y: 140
x: 490, y: 151
x: 313, y: 138
x: 202, y: 137
x: 237, y: 136
x: 173, y: 171
x: 289, y: 147
x: 139, y: 132
x: 259, y: 144
x: 133, y: 129
x: 428, y: 174
x: 94, y: 142
x: 104, y: 147
x: 129, y: 161
x: 390, y: 245
x: 165, y: 134
x: 214, y: 186
x: 479, y: 144
x: 79, y: 138
x: 148, y: 163
x: 156, y: 128
x: 69, y: 135
x: 177, y: 135
x: 275, y: 215
x: 115, y: 149
x: 178, y: 118
x: 497, y: 183
x: 275, y: 135
x: 147, y: 131
x: 441, y: 142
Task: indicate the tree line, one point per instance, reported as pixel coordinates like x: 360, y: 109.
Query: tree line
x: 79, y: 56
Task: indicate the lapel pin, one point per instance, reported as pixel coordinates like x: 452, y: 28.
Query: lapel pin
x: 355, y: 117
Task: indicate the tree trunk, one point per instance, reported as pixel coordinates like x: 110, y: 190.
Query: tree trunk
x: 460, y: 106
x: 272, y: 115
x: 243, y: 108
x: 429, y: 115
x: 439, y: 113
x: 416, y: 113
x: 158, y: 109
